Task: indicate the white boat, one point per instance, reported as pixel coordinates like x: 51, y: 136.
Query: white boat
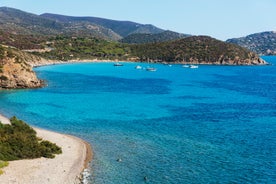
x: 151, y: 69
x: 193, y: 66
x: 138, y: 67
x: 118, y: 64
x: 185, y: 66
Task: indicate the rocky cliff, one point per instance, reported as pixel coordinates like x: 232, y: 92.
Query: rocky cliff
x: 15, y: 72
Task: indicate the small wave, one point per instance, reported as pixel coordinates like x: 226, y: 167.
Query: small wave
x: 85, y: 176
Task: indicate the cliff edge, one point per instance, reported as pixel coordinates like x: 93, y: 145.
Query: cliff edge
x: 15, y: 72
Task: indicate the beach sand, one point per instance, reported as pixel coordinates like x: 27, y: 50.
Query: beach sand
x: 65, y: 168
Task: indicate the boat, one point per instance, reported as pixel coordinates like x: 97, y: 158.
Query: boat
x: 193, y: 66
x: 185, y: 66
x: 138, y: 67
x: 165, y: 63
x: 151, y: 69
x: 118, y: 64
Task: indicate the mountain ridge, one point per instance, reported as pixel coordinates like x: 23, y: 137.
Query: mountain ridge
x: 20, y: 22
x: 123, y: 28
x: 263, y: 43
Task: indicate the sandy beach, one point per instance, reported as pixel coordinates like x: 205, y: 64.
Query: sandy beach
x: 64, y: 168
x: 56, y: 62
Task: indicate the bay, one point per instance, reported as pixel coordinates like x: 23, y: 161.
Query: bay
x: 214, y: 124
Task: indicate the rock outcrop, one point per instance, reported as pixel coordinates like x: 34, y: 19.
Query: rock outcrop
x: 15, y: 72
x: 252, y: 60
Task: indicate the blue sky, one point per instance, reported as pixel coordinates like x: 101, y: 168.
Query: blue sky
x: 221, y: 19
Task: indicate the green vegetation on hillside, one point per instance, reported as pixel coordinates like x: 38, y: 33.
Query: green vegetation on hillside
x: 141, y: 38
x: 67, y: 48
x: 18, y: 141
x: 22, y: 41
x: 194, y: 49
x: 199, y: 49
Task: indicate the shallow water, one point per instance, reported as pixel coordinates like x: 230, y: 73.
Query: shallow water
x: 214, y: 124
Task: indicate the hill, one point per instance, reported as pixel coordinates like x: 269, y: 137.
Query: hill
x: 15, y: 21
x: 196, y: 50
x: 141, y: 38
x: 18, y: 22
x: 66, y: 48
x: 263, y: 43
x: 22, y: 41
x: 122, y: 28
x: 192, y: 50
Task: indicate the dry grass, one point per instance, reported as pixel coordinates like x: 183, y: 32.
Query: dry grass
x: 3, y: 164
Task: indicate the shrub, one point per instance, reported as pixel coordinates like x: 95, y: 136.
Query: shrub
x: 3, y: 78
x: 3, y: 164
x: 19, y: 141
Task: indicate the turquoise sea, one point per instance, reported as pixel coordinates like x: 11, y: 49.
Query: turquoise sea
x: 214, y: 124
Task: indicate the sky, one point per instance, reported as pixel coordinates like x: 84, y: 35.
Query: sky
x: 221, y: 19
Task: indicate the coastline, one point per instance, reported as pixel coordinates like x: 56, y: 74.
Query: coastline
x: 64, y: 168
x: 56, y: 62
x: 46, y: 62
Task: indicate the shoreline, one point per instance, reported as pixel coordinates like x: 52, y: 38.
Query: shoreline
x: 66, y: 168
x: 56, y: 62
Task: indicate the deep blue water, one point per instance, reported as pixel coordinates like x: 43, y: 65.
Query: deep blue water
x: 214, y: 124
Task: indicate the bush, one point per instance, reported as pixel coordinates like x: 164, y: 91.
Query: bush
x: 3, y: 78
x: 18, y: 141
x: 3, y: 164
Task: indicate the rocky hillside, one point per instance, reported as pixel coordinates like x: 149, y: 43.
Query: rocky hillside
x: 141, y: 38
x: 262, y: 43
x: 15, y: 72
x: 22, y: 41
x: 196, y: 50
